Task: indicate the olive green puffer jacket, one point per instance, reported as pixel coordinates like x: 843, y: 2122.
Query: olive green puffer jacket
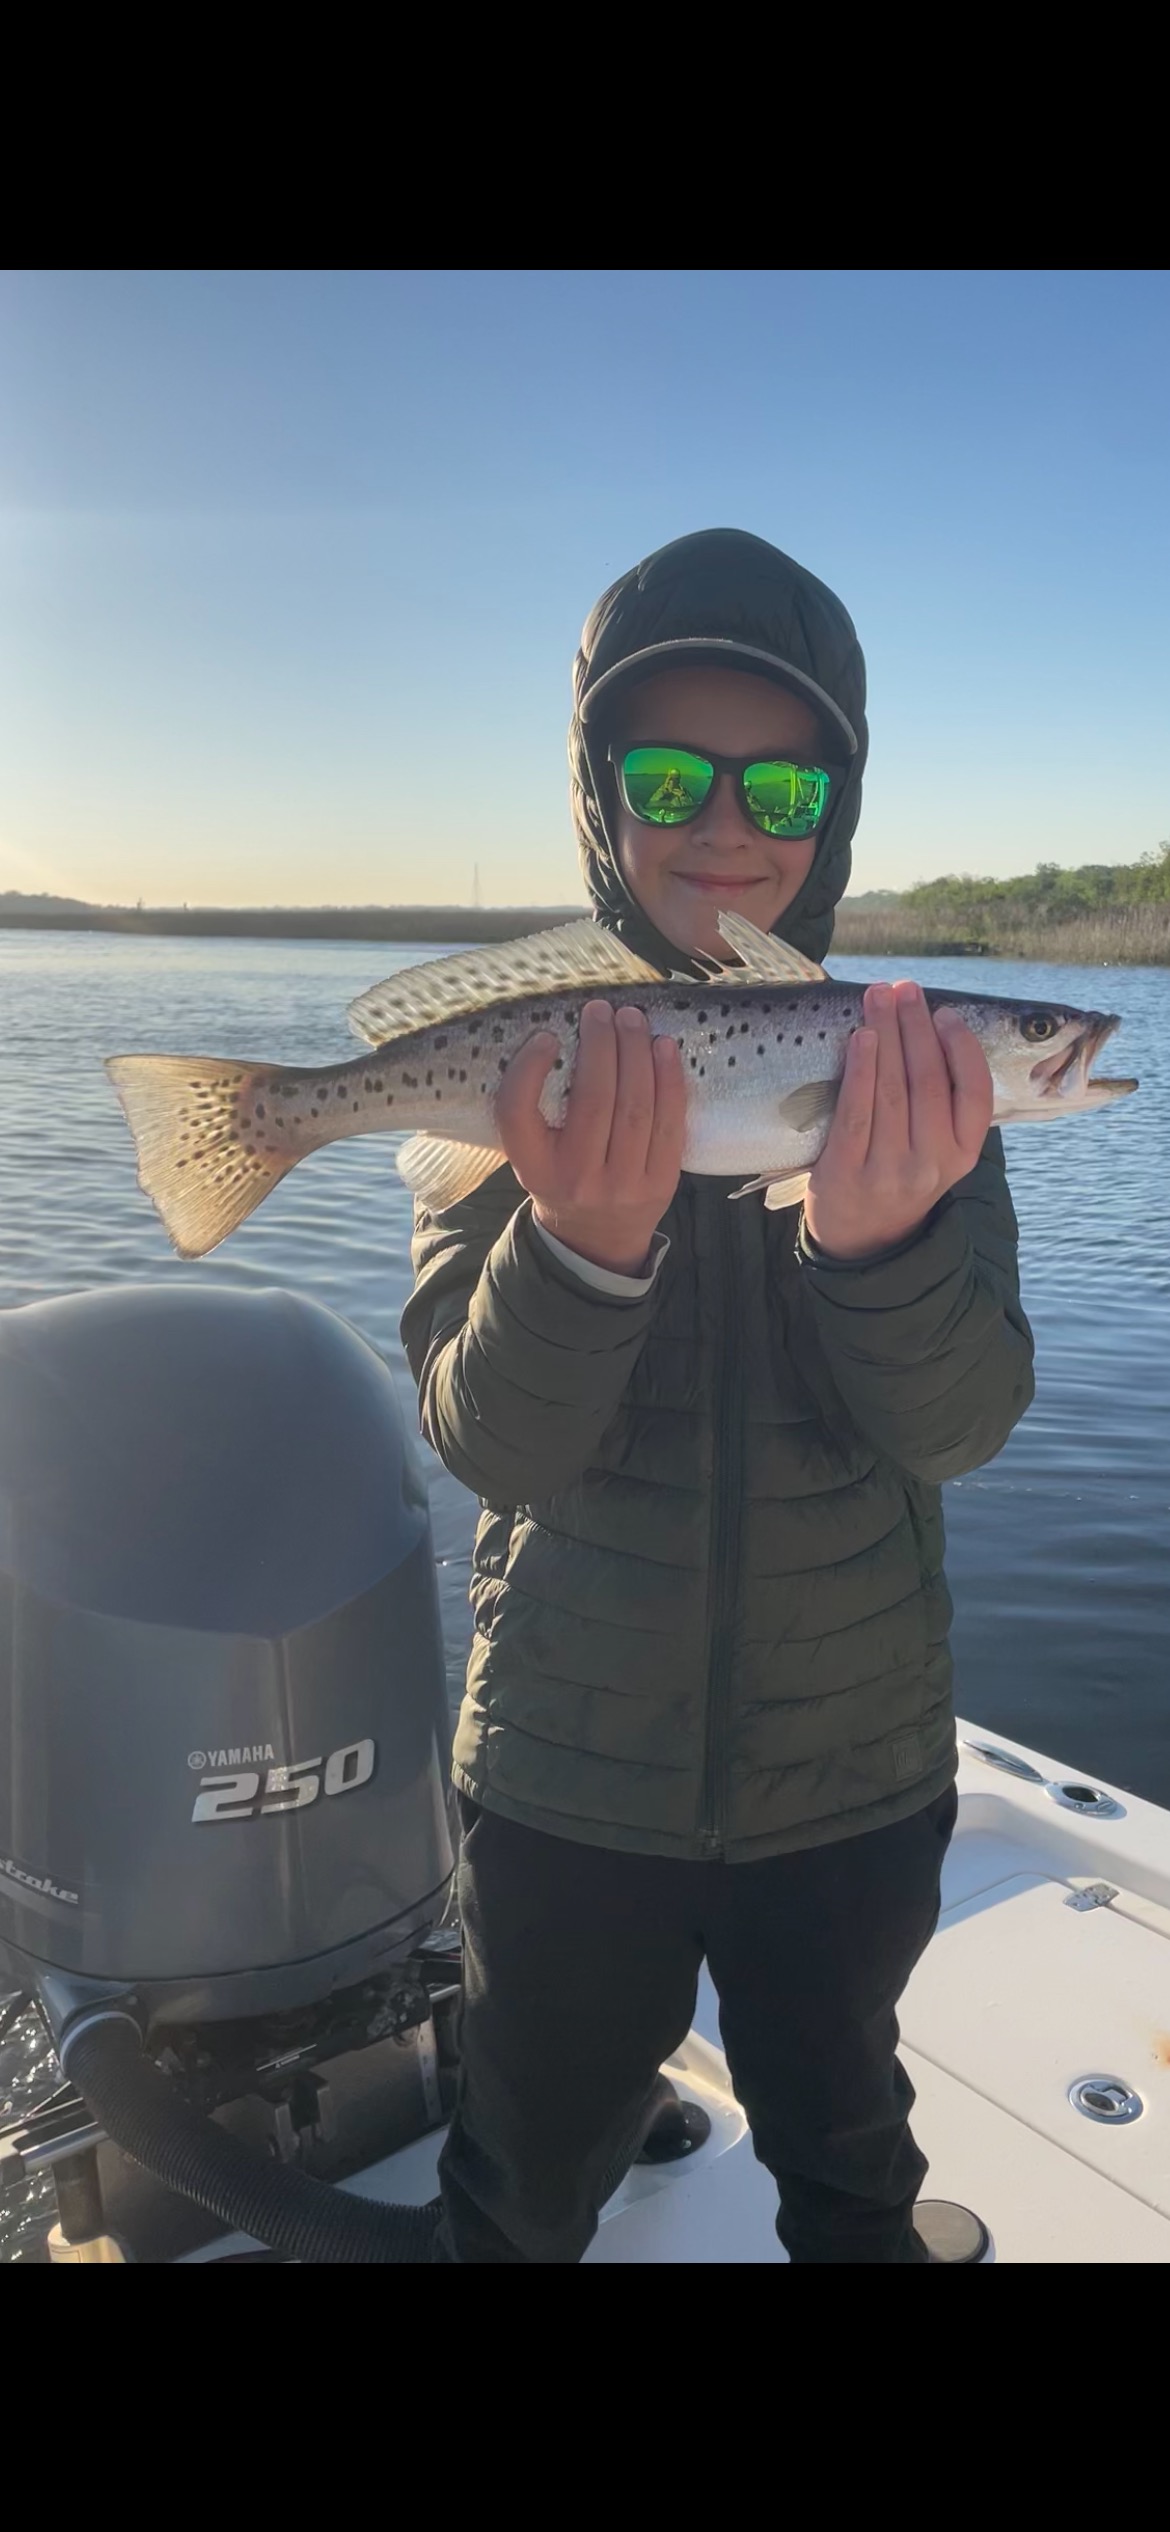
x: 710, y: 1613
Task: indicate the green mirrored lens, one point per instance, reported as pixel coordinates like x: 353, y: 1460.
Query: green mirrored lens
x: 786, y: 799
x: 665, y: 785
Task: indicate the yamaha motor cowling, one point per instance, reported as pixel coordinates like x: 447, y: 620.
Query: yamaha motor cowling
x: 223, y: 1741
x: 224, y: 1848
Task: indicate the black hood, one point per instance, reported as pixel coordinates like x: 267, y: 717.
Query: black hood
x: 721, y: 596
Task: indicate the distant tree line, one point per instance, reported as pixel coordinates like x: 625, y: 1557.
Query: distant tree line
x: 1047, y: 893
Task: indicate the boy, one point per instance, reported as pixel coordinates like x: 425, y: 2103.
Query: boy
x: 708, y: 1713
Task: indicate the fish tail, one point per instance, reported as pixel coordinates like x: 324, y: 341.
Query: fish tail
x: 203, y: 1158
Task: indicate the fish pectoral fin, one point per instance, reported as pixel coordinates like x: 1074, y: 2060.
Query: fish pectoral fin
x: 441, y: 1173
x: 781, y: 1187
x: 764, y: 956
x: 572, y: 957
x: 813, y: 1103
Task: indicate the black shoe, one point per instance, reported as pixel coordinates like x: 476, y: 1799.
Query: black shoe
x: 954, y: 2237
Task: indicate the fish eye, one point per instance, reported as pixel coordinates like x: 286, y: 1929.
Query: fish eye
x: 1036, y: 1026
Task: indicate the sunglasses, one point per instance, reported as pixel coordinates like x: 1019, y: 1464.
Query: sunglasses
x: 667, y: 786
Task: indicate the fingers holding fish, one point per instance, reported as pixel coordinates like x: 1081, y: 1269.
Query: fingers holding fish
x: 669, y: 1127
x: 852, y: 1126
x: 915, y: 1104
x: 633, y: 1106
x: 972, y: 1087
x: 890, y: 1130
x: 524, y: 1136
x: 601, y: 1181
x: 928, y: 1083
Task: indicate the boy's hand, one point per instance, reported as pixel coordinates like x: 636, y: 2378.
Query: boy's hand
x: 602, y: 1181
x: 915, y: 1105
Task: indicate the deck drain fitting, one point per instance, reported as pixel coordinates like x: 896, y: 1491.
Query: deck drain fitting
x: 1087, y: 1799
x: 1105, y: 2098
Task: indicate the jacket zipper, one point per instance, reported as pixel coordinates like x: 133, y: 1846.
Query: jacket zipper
x: 726, y: 1527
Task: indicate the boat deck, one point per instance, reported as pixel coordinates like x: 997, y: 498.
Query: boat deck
x: 1051, y: 1967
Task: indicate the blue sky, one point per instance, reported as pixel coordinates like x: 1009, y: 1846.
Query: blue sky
x: 295, y: 564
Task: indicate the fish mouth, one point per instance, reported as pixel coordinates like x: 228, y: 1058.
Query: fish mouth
x: 1071, y: 1073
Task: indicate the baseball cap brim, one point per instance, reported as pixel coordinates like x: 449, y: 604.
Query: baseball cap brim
x: 697, y: 651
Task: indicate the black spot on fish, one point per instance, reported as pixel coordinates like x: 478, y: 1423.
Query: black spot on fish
x: 759, y: 1050
x: 779, y: 1037
x: 322, y: 1090
x: 440, y: 1043
x: 181, y: 1164
x: 503, y: 1063
x: 340, y: 1090
x: 462, y: 1076
x: 558, y: 1065
x: 378, y: 1085
x: 261, y: 1112
x: 702, y: 1072
x: 475, y: 1050
x: 724, y: 1008
x: 743, y: 1028
x: 410, y: 1081
x: 694, y: 1061
x: 438, y: 1094
x: 389, y: 1098
x: 450, y: 1072
x: 314, y: 1113
x: 483, y: 1086
x: 731, y: 1031
x: 702, y: 1019
x: 430, y: 1078
x: 731, y: 1061
x: 497, y: 1037
x: 678, y: 1006
x: 798, y: 1041
x: 356, y: 1106
x: 289, y: 1090
x: 820, y: 1033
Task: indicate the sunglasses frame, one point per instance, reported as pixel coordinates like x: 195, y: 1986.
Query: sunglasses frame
x: 737, y: 768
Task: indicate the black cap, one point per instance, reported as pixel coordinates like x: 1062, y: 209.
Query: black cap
x: 694, y: 651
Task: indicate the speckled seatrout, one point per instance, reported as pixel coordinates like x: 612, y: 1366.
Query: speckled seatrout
x: 763, y: 1046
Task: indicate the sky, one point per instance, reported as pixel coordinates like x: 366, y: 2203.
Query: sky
x: 295, y: 563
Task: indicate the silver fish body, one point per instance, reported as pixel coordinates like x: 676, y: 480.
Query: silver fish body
x: 762, y: 1058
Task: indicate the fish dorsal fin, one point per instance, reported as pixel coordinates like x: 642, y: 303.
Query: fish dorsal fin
x: 765, y: 957
x: 575, y: 955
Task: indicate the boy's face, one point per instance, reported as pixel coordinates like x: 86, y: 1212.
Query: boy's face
x: 684, y: 876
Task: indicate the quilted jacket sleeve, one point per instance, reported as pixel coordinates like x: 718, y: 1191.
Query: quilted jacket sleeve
x: 520, y: 1364
x: 928, y: 1344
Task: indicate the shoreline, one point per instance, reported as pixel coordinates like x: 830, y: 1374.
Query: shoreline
x: 1127, y: 938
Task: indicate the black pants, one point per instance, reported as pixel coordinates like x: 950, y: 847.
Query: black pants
x: 581, y: 1971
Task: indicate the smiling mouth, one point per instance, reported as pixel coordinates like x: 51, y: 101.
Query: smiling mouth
x: 717, y: 887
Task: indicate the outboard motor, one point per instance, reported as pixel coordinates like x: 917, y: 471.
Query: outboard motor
x: 225, y: 1856
x: 223, y: 1750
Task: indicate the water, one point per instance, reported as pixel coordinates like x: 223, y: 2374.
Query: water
x: 1057, y: 1551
